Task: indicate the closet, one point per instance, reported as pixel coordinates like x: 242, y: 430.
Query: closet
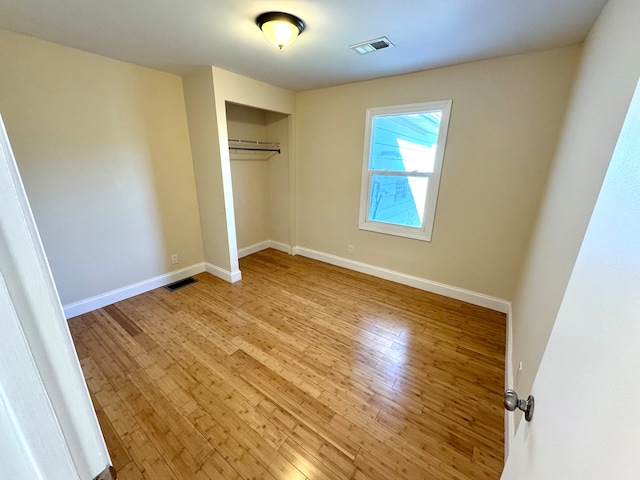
x: 259, y: 154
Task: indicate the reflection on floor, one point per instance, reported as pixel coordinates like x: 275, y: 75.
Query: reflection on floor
x: 301, y: 370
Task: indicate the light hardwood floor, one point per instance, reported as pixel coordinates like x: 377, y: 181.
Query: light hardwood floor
x: 301, y: 370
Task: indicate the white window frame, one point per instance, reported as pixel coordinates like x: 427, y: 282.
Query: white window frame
x: 425, y: 232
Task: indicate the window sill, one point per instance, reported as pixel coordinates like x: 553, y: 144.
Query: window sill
x: 407, y: 232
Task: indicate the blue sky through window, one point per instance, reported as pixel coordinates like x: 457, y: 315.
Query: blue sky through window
x: 402, y: 144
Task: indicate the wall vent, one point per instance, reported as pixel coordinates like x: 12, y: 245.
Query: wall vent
x: 371, y: 45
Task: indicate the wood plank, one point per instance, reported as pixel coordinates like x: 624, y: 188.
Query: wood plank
x: 302, y: 371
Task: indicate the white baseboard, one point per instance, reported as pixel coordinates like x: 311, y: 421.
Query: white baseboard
x: 231, y: 277
x: 509, y: 418
x: 251, y: 249
x: 83, y: 306
x: 256, y: 247
x: 283, y: 247
x: 468, y: 296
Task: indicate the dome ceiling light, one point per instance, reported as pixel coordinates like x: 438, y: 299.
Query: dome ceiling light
x: 280, y: 28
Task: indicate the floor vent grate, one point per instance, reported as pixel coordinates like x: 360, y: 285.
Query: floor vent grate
x: 180, y: 283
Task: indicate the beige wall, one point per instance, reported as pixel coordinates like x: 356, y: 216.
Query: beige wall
x: 205, y: 144
x: 280, y: 198
x: 604, y: 87
x: 207, y: 94
x: 503, y: 131
x: 260, y: 185
x: 231, y: 87
x: 279, y: 105
x: 249, y: 177
x: 103, y: 149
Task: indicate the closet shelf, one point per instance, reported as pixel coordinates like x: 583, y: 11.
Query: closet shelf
x: 252, y: 149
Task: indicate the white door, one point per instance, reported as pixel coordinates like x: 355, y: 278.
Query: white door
x: 586, y: 423
x: 28, y: 448
x: 48, y: 428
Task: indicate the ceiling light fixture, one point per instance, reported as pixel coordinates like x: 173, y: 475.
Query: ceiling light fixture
x: 280, y: 28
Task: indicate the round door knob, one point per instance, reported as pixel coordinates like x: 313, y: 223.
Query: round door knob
x: 511, y: 402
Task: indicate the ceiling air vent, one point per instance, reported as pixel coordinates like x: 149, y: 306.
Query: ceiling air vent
x: 371, y: 45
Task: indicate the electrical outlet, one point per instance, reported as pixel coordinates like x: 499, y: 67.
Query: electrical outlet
x: 350, y: 249
x: 174, y: 258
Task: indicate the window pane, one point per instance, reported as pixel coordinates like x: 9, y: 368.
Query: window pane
x: 398, y: 199
x: 405, y: 142
x: 401, y: 168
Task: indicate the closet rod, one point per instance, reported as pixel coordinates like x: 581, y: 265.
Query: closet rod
x: 255, y: 146
x: 255, y: 149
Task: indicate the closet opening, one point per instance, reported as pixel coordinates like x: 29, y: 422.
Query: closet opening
x: 259, y: 157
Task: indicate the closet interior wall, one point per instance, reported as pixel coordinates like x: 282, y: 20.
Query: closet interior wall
x: 260, y: 186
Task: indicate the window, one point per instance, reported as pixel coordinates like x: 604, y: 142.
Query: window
x: 403, y: 153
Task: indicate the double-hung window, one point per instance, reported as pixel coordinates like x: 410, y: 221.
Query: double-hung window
x: 403, y: 154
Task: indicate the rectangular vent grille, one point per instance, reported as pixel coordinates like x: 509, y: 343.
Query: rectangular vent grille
x: 180, y: 283
x: 371, y: 45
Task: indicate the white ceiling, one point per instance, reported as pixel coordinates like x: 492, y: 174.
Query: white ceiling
x: 178, y: 35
